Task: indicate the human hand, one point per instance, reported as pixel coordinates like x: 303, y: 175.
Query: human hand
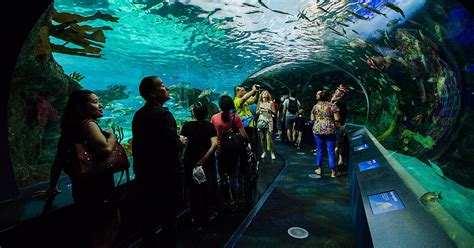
x: 201, y: 162
x: 44, y: 195
x: 255, y: 87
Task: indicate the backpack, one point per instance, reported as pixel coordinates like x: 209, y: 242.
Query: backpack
x: 293, y: 106
x: 231, y: 140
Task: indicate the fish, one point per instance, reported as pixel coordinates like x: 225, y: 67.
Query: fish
x: 355, y: 31
x: 343, y: 24
x: 281, y: 12
x: 394, y: 8
x: 253, y: 12
x: 357, y: 15
x: 336, y: 32
x: 213, y: 12
x: 276, y: 11
x: 396, y: 88
x: 372, y: 9
x: 393, y: 22
x: 322, y: 9
x: 263, y: 4
x: 290, y: 21
x: 430, y: 197
x: 249, y: 5
x: 436, y: 169
x: 302, y: 14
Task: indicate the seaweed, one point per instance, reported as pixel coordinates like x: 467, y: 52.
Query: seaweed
x: 69, y: 30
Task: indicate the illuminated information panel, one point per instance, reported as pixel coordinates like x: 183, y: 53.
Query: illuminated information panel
x: 361, y: 147
x: 368, y: 165
x: 385, y: 202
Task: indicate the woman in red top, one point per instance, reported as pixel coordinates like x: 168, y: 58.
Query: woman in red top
x: 228, y: 163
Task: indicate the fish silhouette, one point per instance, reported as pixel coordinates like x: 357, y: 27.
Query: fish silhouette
x: 430, y: 197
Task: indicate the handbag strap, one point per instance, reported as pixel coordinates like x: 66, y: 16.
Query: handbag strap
x: 127, y: 172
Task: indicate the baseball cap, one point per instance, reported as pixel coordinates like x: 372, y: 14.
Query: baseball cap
x: 345, y: 89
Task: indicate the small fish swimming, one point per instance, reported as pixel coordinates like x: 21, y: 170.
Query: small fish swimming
x: 343, y: 24
x: 396, y: 88
x: 430, y: 197
x: 436, y: 169
x: 253, y: 12
x: 276, y: 11
x: 355, y: 31
x: 336, y: 32
x: 372, y: 9
x: 263, y: 4
x: 393, y: 22
x: 302, y: 15
x: 249, y: 5
x: 324, y: 10
x: 281, y: 12
x: 357, y: 15
x: 394, y: 8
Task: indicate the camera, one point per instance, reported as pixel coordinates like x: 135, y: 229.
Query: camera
x: 257, y: 86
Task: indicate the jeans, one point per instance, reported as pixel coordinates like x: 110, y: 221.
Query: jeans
x: 228, y: 166
x: 330, y: 142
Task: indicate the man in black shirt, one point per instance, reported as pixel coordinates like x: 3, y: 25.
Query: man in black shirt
x: 338, y: 100
x: 156, y: 162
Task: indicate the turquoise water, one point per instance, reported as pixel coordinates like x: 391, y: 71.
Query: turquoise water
x: 409, y: 72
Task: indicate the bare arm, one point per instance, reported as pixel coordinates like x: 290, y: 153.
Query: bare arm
x: 248, y: 95
x: 243, y: 133
x: 209, y: 152
x: 283, y: 113
x: 337, y: 118
x: 101, y: 143
x: 54, y: 174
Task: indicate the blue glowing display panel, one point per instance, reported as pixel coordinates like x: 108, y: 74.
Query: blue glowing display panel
x: 361, y: 147
x: 385, y: 202
x: 355, y: 137
x: 368, y: 165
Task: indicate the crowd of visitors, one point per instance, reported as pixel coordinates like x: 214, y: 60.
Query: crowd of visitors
x: 218, y: 156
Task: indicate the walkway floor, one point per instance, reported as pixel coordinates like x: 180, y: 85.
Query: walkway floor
x: 297, y: 199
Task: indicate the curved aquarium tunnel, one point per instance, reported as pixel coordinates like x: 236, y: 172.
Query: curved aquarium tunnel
x: 408, y: 65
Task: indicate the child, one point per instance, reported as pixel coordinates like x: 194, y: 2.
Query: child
x: 298, y: 127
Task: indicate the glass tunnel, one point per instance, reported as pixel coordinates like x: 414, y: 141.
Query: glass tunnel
x: 408, y: 65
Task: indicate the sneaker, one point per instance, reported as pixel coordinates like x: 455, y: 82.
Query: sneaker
x: 264, y: 154
x: 273, y: 156
x: 333, y: 174
x: 318, y: 171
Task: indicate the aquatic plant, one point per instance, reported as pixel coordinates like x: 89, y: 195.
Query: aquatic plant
x: 76, y: 76
x: 68, y: 30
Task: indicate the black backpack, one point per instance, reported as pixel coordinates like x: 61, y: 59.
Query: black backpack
x: 231, y: 140
x: 293, y: 106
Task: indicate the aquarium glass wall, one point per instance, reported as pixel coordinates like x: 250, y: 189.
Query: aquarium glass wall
x: 408, y: 65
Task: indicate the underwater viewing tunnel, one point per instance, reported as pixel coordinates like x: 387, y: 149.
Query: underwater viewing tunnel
x: 407, y: 65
